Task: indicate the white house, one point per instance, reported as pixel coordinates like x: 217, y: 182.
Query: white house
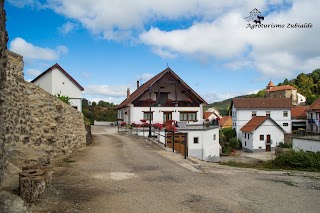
x: 244, y: 109
x: 166, y: 97
x: 314, y: 117
x: 56, y: 80
x: 261, y: 134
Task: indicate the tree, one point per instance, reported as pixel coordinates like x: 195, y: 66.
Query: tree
x: 94, y: 103
x: 85, y: 103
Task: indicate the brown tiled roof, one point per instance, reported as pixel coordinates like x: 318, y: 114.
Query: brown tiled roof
x: 262, y: 103
x: 299, y: 112
x: 207, y: 115
x: 225, y: 121
x: 257, y: 121
x: 270, y: 84
x: 278, y: 88
x: 151, y: 82
x: 63, y: 71
x: 315, y: 105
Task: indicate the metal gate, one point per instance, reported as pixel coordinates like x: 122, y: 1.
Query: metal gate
x: 180, y: 142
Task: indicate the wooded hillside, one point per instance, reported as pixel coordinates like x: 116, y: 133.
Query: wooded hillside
x: 307, y: 84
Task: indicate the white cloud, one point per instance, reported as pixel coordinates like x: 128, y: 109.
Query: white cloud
x: 275, y: 53
x: 110, y: 93
x: 31, y: 52
x: 68, y: 27
x: 106, y: 90
x: 22, y: 3
x: 33, y: 72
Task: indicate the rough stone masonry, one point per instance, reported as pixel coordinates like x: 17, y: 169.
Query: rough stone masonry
x: 35, y: 127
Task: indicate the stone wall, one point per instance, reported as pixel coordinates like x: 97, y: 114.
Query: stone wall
x: 3, y: 61
x: 38, y: 126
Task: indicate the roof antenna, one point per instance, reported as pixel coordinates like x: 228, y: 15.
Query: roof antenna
x: 168, y: 65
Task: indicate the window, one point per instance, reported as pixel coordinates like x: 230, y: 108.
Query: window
x: 268, y: 113
x: 285, y: 124
x: 196, y: 140
x: 254, y: 113
x: 261, y: 137
x: 248, y: 135
x: 245, y: 135
x: 285, y: 113
x: 214, y: 137
x: 146, y: 116
x: 188, y: 116
x: 245, y: 143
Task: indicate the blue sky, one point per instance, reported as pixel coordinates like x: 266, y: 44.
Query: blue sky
x: 107, y: 45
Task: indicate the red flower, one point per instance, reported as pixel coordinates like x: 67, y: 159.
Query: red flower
x: 171, y: 128
x: 123, y: 123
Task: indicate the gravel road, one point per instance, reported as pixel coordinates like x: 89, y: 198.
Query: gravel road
x: 119, y: 173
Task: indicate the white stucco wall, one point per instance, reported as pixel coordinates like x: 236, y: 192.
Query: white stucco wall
x: 45, y: 82
x: 207, y: 149
x: 307, y: 145
x: 301, y: 98
x: 247, y: 143
x: 242, y: 116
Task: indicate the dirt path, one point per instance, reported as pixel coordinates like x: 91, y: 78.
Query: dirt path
x: 130, y: 174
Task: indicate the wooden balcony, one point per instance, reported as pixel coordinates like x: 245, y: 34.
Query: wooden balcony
x: 167, y: 104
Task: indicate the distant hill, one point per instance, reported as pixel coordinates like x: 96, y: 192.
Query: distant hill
x: 307, y: 84
x: 223, y: 106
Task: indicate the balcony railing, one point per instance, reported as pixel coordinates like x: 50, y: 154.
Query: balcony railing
x: 310, y: 121
x: 168, y: 104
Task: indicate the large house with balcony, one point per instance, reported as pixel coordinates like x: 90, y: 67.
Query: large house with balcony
x: 313, y: 125
x: 244, y: 109
x: 166, y: 98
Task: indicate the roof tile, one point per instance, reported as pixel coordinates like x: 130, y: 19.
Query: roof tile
x: 262, y: 103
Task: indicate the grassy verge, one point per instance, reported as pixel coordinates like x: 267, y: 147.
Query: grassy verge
x: 292, y: 160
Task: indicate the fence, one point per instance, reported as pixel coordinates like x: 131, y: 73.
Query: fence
x: 161, y: 135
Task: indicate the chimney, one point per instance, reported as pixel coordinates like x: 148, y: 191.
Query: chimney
x: 128, y: 93
x: 138, y: 84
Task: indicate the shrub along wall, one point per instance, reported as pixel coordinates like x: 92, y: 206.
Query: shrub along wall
x: 37, y: 126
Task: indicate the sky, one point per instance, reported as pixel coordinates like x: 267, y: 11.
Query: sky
x: 107, y: 45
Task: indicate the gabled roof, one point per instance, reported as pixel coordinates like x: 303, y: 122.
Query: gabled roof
x: 299, y: 112
x: 207, y: 115
x: 57, y: 66
x: 257, y: 121
x: 144, y: 87
x: 225, y: 120
x: 279, y: 88
x: 262, y: 103
x: 315, y: 105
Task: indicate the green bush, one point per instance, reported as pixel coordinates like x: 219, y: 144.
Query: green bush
x: 298, y: 160
x: 284, y: 145
x: 63, y: 98
x: 234, y: 143
x: 228, y: 133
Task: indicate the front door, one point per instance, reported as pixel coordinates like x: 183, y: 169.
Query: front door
x: 167, y: 116
x: 268, y: 144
